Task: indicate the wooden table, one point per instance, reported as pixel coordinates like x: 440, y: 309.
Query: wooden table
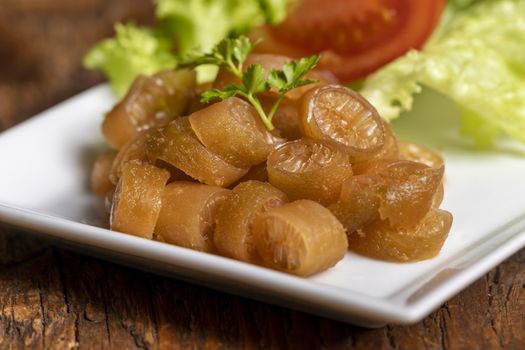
x: 52, y: 298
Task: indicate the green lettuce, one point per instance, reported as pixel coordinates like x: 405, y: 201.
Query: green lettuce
x: 183, y: 26
x: 476, y: 58
x: 201, y: 24
x: 131, y: 52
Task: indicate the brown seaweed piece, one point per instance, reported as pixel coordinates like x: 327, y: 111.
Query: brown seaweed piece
x: 233, y: 130
x: 389, y: 152
x: 233, y: 235
x: 137, y: 200
x: 301, y: 237
x: 177, y: 145
x: 188, y: 213
x: 151, y: 101
x: 134, y: 149
x: 420, y: 154
x: 421, y: 241
x: 339, y: 114
x: 100, y: 182
x: 401, y: 192
x: 309, y: 169
x: 358, y: 204
x: 406, y: 191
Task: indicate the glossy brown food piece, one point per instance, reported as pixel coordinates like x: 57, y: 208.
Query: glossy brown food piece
x: 401, y: 192
x: 388, y: 152
x: 248, y: 200
x: 151, y: 101
x: 309, y: 169
x: 418, y: 153
x: 358, y: 203
x: 422, y: 241
x: 132, y: 150
x: 177, y: 145
x: 438, y: 196
x: 136, y: 150
x: 301, y: 237
x: 406, y: 191
x: 137, y: 199
x: 187, y: 217
x: 100, y: 183
x: 339, y: 114
x: 233, y: 130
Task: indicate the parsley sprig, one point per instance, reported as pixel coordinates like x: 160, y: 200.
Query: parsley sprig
x: 231, y: 55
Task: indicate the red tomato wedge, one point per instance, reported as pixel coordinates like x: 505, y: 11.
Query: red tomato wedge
x: 354, y: 37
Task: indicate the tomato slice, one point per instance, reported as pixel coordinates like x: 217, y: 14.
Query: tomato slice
x: 354, y: 37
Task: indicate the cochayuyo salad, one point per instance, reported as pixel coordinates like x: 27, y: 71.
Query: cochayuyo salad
x: 260, y: 151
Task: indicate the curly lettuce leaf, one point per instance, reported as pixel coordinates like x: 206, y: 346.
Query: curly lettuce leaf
x: 201, y: 24
x: 477, y: 59
x: 184, y: 26
x: 133, y: 51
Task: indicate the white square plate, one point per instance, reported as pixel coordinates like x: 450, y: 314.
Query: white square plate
x: 43, y: 187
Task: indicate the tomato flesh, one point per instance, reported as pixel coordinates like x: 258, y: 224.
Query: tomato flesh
x: 355, y: 37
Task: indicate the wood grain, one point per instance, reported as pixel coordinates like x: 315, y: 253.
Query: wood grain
x: 51, y: 298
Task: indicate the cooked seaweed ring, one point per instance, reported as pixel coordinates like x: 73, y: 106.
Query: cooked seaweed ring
x: 137, y: 200
x: 337, y: 113
x: 233, y: 130
x: 132, y: 150
x: 358, y: 203
x: 233, y: 237
x: 406, y: 190
x: 100, y: 183
x: 387, y: 153
x: 417, y: 153
x: 422, y: 241
x: 151, y: 101
x: 438, y: 196
x: 301, y: 237
x: 309, y: 169
x: 187, y: 217
x: 177, y: 145
x: 136, y: 150
x: 402, y: 192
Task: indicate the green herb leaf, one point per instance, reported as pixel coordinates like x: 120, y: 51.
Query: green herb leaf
x: 291, y: 76
x: 231, y: 55
x: 241, y: 48
x: 254, y: 79
x: 212, y: 94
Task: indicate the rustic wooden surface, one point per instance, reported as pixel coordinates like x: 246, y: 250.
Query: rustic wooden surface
x: 55, y: 299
